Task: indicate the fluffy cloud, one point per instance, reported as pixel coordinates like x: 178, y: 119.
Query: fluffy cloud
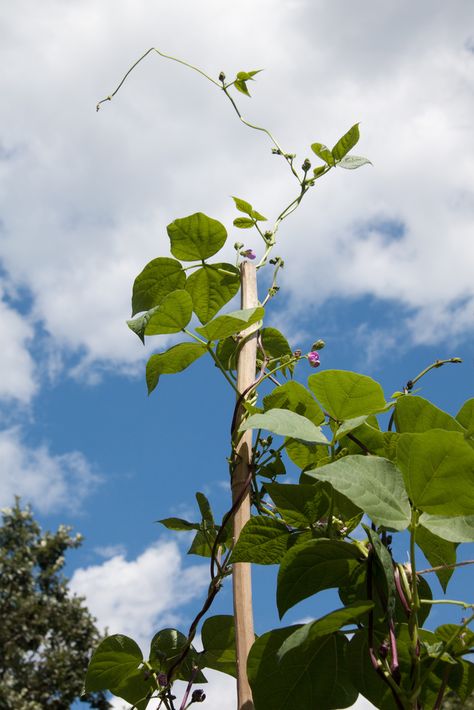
x: 87, y: 197
x: 51, y: 482
x: 137, y: 597
x: 18, y: 379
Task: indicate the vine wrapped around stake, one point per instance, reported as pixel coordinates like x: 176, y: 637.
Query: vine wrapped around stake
x: 415, y: 478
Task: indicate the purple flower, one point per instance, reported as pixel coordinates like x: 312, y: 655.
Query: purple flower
x: 249, y: 254
x: 313, y: 359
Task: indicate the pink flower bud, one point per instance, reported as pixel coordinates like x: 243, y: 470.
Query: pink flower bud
x: 313, y: 359
x: 249, y: 254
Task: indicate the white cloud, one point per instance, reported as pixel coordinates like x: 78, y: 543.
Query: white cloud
x: 16, y: 365
x: 137, y: 597
x: 51, y: 482
x: 87, y: 197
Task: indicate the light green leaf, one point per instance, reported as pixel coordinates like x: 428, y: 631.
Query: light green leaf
x: 300, y: 505
x: 243, y: 206
x: 316, y: 565
x: 231, y: 323
x: 323, y: 152
x: 349, y: 425
x: 296, y: 398
x: 248, y: 75
x: 243, y: 222
x: 317, y: 679
x: 263, y: 541
x: 346, y: 395
x: 372, y: 483
x: 241, y: 86
x: 457, y: 529
x: 438, y: 469
x: 218, y: 640
x: 196, y: 237
x: 328, y: 624
x: 159, y: 278
x: 346, y: 143
x: 305, y: 455
x: 205, y: 509
x: 176, y: 359
x: 415, y: 414
x: 465, y: 416
x: 172, y: 315
x: 438, y: 552
x: 286, y: 423
x: 352, y: 162
x: 211, y: 287
x: 115, y: 659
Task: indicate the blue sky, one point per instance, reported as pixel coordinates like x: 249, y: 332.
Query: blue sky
x: 379, y: 262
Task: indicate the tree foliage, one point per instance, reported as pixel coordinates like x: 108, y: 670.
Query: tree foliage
x: 46, y: 634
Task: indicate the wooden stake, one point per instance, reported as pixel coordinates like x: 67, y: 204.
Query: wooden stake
x: 241, y: 575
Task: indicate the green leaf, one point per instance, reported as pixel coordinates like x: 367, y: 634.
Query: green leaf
x: 165, y: 649
x: 438, y: 468
x: 464, y: 641
x: 286, y: 423
x: 243, y: 222
x: 305, y: 455
x: 299, y: 505
x: 241, y: 86
x: 416, y: 415
x: 218, y: 640
x: 113, y: 661
x: 363, y: 675
x: 373, y: 483
x: 159, y: 278
x: 320, y: 170
x: 465, y: 416
x: 205, y: 509
x: 385, y: 562
x: 196, y: 237
x: 457, y: 529
x: 307, y: 680
x: 346, y: 143
x: 178, y: 524
x: 438, y: 552
x: 296, y: 398
x: 323, y: 152
x: 263, y: 541
x: 248, y: 75
x: 176, y: 359
x: 203, y: 543
x: 243, y: 205
x: 349, y: 425
x: 231, y: 324
x: 316, y: 565
x: 136, y: 689
x: 328, y: 624
x: 346, y: 395
x: 226, y: 352
x: 172, y: 315
x: 211, y: 287
x: 352, y: 162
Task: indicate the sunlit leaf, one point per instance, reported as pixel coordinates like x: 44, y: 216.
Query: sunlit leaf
x: 286, y: 423
x: 196, y: 237
x: 176, y: 359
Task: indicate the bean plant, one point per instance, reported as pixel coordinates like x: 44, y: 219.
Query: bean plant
x: 370, y: 467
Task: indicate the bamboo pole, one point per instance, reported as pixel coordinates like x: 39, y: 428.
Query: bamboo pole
x: 241, y: 574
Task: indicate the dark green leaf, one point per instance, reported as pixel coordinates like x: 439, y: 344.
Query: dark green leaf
x: 296, y: 398
x: 438, y: 468
x: 438, y: 552
x: 464, y: 641
x: 159, y: 278
x: 274, y: 344
x: 211, y: 287
x: 373, y: 483
x: 385, y: 562
x: 454, y: 529
x: 165, y: 649
x: 116, y: 658
x: 415, y: 414
x: 203, y: 543
x: 196, y: 237
x: 307, y: 569
x: 263, y: 541
x: 299, y: 505
x: 352, y: 162
x: 178, y: 524
x: 363, y: 675
x: 205, y: 509
x: 346, y: 395
x: 346, y: 143
x: 226, y: 352
x: 218, y: 640
x: 243, y: 222
x: 323, y: 152
x: 304, y: 636
x: 305, y: 455
x: 316, y: 679
x: 231, y: 324
x: 176, y: 359
x: 286, y: 423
